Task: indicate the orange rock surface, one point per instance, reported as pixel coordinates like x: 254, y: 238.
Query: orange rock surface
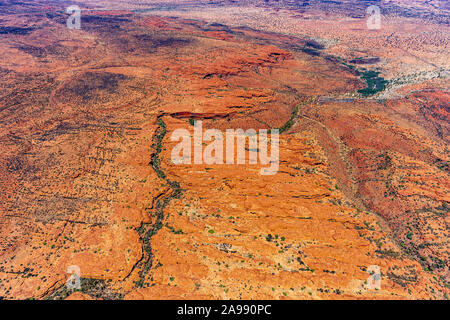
x: 87, y: 180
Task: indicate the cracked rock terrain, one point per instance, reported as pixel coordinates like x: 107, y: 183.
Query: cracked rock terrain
x: 86, y: 177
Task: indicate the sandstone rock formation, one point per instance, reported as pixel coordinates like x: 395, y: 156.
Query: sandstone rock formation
x: 86, y: 177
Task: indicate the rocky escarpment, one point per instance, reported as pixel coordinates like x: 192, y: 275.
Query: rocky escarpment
x: 87, y: 178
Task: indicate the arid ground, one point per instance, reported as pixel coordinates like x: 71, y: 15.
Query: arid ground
x: 87, y: 179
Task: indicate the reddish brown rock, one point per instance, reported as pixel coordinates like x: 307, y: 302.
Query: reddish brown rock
x: 86, y: 177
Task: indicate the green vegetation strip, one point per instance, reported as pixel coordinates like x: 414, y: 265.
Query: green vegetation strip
x: 147, y: 231
x: 375, y: 83
x: 294, y: 115
x: 291, y: 120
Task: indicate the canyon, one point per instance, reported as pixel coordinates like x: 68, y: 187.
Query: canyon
x: 87, y: 177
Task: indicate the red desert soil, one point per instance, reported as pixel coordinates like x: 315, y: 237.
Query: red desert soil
x: 86, y: 177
